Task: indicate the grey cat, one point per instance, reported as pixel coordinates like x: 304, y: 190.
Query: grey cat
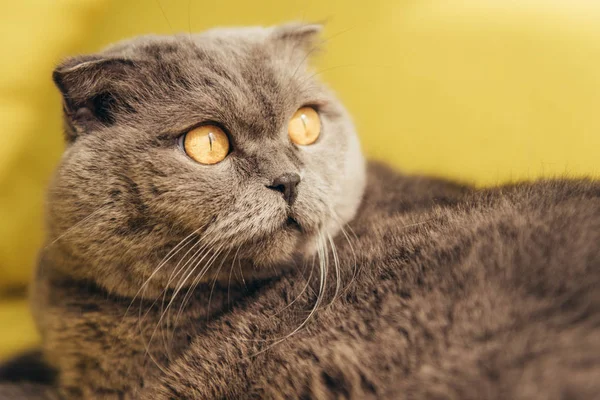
x: 290, y: 271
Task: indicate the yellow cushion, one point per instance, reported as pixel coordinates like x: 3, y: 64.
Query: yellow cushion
x: 481, y: 90
x: 17, y: 330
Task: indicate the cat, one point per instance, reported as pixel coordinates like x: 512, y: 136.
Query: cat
x: 290, y: 267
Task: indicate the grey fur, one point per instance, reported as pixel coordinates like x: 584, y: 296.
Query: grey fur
x: 433, y: 289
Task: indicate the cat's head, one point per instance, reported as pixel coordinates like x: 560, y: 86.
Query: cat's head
x: 179, y: 156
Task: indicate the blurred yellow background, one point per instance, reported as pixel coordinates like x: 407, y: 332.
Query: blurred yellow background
x: 485, y: 91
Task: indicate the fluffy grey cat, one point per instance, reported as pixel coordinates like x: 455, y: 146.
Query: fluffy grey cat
x: 214, y: 232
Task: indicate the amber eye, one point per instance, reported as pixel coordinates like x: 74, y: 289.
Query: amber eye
x: 305, y: 126
x: 207, y: 144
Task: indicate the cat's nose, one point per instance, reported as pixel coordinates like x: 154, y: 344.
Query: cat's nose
x: 287, y: 184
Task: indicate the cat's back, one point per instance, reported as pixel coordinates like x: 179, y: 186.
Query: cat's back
x: 488, y: 293
x: 497, y: 290
x: 507, y: 283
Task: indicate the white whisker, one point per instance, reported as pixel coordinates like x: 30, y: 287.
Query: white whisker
x: 322, y: 284
x: 76, y: 225
x: 230, y: 272
x: 191, y: 268
x: 213, y: 285
x: 165, y: 259
x: 301, y: 292
x: 336, y: 264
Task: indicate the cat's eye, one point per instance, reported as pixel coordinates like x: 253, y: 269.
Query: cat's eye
x: 305, y: 126
x: 206, y: 144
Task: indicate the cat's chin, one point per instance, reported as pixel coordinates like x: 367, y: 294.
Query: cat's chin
x: 276, y: 249
x: 277, y: 252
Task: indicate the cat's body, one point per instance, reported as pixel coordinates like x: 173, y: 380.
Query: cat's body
x: 428, y: 289
x: 457, y: 294
x: 480, y: 295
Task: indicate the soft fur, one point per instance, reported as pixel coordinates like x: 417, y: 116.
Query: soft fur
x: 166, y: 279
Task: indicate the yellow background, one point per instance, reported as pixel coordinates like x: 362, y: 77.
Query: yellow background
x: 486, y: 91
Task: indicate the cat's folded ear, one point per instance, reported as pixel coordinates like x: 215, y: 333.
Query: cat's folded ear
x: 297, y: 37
x: 93, y: 89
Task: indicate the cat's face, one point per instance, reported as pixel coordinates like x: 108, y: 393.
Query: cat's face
x: 126, y: 192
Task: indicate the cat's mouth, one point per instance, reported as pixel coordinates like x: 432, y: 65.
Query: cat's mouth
x: 291, y: 223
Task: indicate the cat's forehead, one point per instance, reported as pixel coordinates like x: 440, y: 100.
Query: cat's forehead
x: 227, y: 75
x: 224, y: 48
x: 254, y: 56
x: 214, y: 42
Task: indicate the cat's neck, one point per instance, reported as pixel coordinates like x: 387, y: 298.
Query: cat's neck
x: 202, y: 298
x: 161, y: 326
